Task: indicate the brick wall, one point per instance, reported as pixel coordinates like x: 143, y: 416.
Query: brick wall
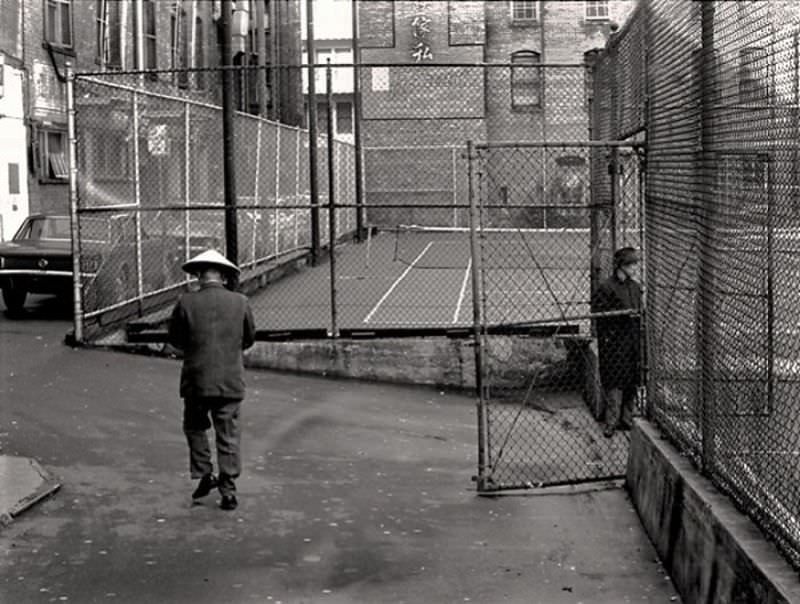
x: 424, y: 105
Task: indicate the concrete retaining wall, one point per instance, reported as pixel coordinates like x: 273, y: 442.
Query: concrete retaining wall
x: 437, y: 361
x: 713, y: 553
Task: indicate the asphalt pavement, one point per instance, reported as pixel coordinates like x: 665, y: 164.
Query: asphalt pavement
x: 351, y: 492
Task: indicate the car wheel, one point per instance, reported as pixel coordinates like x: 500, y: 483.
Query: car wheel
x: 14, y: 298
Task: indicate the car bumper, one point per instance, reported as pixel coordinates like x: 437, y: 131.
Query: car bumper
x: 37, y: 280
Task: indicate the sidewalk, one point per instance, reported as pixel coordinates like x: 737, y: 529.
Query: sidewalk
x: 24, y: 483
x: 350, y: 492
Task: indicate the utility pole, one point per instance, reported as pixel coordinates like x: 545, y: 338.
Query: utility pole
x: 261, y: 49
x: 229, y: 163
x: 312, y: 132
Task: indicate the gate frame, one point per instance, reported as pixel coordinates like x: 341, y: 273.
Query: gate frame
x: 483, y: 479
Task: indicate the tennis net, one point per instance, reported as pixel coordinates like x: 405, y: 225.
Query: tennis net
x: 501, y: 247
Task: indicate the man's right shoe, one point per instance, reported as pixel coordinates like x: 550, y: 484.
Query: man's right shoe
x: 228, y: 502
x: 207, y: 484
x: 608, y: 432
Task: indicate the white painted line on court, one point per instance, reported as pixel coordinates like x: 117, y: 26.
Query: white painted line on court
x: 396, y: 283
x: 463, y: 291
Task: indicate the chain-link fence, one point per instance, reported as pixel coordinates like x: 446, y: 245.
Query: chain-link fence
x: 488, y: 214
x: 150, y: 191
x: 716, y: 86
x: 546, y: 420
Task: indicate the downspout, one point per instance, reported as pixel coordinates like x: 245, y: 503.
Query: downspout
x: 138, y: 25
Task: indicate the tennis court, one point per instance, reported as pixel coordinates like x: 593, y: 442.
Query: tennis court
x: 423, y: 278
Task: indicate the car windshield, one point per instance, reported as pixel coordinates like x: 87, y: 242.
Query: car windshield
x: 45, y: 227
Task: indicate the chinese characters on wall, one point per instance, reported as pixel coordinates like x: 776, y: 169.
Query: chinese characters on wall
x: 420, y: 32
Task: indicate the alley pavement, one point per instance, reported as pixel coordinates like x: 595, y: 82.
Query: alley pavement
x: 350, y: 492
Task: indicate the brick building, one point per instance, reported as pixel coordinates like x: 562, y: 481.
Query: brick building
x: 417, y: 117
x: 39, y: 37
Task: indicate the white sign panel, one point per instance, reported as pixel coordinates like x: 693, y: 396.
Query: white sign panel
x: 157, y: 140
x: 380, y: 79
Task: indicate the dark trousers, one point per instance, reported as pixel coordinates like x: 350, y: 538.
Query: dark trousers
x: 620, y: 401
x: 224, y: 413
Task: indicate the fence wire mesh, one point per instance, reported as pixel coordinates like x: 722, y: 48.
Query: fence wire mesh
x: 721, y: 223
x: 151, y: 192
x: 545, y: 403
x: 546, y: 209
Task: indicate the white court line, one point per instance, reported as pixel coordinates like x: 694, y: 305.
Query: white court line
x: 395, y: 284
x: 463, y: 292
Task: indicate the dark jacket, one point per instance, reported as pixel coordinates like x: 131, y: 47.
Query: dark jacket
x: 212, y: 326
x: 618, y: 338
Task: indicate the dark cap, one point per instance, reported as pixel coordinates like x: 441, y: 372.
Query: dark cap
x: 625, y: 256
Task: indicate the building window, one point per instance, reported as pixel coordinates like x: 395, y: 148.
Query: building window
x: 344, y: 117
x: 597, y: 10
x: 526, y: 84
x: 13, y: 179
x: 58, y: 22
x: 109, y: 33
x: 179, y: 46
x: 52, y: 155
x: 322, y: 118
x: 524, y: 10
x: 753, y: 75
x: 199, y: 53
x: 149, y: 31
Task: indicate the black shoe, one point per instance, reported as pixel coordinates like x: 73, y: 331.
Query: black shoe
x: 207, y: 483
x: 608, y: 432
x: 228, y: 502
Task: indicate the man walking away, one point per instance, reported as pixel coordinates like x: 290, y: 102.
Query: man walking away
x: 618, y: 339
x: 212, y: 326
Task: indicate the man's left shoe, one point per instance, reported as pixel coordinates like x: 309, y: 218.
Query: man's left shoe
x: 228, y: 502
x: 207, y: 483
x: 608, y: 432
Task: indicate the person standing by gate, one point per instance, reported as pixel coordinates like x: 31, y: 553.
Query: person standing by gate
x: 618, y: 340
x: 212, y: 326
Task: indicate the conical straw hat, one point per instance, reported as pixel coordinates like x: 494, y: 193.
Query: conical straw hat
x: 212, y: 257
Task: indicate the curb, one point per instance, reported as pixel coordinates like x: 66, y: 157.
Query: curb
x: 48, y: 487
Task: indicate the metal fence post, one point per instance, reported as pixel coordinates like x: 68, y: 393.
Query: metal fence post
x: 359, y: 189
x: 474, y: 225
x: 228, y: 143
x: 613, y: 172
x: 312, y: 133
x: 137, y: 188
x: 331, y: 199
x: 187, y: 176
x: 77, y: 301
x: 277, y: 220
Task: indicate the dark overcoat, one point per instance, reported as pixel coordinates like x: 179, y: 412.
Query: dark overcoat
x: 618, y: 338
x: 212, y: 326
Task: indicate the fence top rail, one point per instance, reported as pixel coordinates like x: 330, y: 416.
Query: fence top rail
x: 412, y: 147
x: 187, y: 101
x: 549, y: 143
x: 111, y: 74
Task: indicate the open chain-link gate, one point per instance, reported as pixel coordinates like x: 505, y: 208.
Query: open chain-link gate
x: 546, y: 218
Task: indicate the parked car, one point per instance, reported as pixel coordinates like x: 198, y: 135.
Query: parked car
x: 38, y: 259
